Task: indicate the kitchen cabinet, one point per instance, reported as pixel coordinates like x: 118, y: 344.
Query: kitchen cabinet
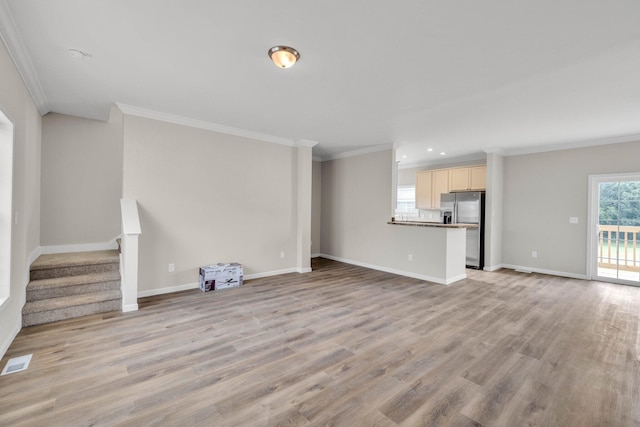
x: 440, y: 185
x: 424, y: 190
x: 458, y: 179
x: 477, y: 178
x: 429, y: 186
x: 469, y: 178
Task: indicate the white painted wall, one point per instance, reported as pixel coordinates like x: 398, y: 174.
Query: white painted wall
x: 17, y: 105
x: 206, y: 197
x: 81, y: 180
x: 541, y: 192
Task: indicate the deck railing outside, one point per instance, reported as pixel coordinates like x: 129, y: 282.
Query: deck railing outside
x: 619, y: 247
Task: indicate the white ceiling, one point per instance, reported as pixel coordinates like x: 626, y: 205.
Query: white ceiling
x: 463, y: 77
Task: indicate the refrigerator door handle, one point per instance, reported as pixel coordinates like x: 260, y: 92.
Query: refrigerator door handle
x: 454, y: 214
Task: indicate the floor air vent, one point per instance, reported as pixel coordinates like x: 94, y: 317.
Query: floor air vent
x: 17, y: 364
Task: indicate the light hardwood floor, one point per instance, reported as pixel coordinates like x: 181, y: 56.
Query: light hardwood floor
x: 342, y: 345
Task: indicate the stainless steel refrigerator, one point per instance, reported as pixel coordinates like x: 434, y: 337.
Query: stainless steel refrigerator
x: 467, y: 208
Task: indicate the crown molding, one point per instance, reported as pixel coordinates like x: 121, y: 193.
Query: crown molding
x: 373, y: 149
x: 199, y: 124
x: 449, y: 161
x: 306, y: 143
x: 18, y: 53
x: 495, y: 150
x: 574, y: 144
x: 524, y: 150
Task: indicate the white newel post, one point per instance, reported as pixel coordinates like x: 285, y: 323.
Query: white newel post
x: 130, y: 232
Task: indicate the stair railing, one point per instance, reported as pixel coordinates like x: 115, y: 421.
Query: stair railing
x: 129, y: 254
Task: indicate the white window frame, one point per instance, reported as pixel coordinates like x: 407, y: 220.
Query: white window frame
x: 406, y: 213
x: 592, y: 222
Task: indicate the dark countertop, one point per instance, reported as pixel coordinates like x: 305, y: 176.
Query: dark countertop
x: 432, y: 224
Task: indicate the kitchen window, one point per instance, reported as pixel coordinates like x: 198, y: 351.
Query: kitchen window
x: 406, y: 202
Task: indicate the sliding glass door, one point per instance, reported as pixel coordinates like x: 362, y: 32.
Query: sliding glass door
x: 615, y: 227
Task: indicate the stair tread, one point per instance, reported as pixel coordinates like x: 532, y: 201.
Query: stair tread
x: 83, y: 279
x: 72, y: 259
x: 70, y: 301
x: 73, y: 312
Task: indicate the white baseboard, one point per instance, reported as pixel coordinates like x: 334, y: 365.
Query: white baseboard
x: 270, y: 273
x: 27, y: 274
x: 455, y: 279
x: 316, y: 255
x: 398, y: 272
x: 129, y: 307
x: 493, y: 267
x: 33, y: 256
x: 80, y: 247
x: 22, y: 299
x: 4, y: 346
x: 304, y: 270
x: 545, y: 271
x: 195, y: 285
x: 167, y: 290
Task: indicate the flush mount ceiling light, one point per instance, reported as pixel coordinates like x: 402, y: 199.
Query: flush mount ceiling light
x: 283, y: 56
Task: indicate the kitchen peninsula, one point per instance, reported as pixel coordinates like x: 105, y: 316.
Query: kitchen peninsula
x: 437, y: 252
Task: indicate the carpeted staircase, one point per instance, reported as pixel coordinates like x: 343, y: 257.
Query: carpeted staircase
x: 63, y: 286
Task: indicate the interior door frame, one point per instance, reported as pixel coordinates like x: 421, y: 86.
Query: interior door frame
x: 592, y: 223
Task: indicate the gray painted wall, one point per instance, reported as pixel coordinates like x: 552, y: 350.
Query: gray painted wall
x: 408, y: 176
x: 494, y: 212
x: 17, y: 105
x: 541, y: 192
x: 206, y: 197
x: 81, y: 180
x: 356, y: 200
x: 316, y: 204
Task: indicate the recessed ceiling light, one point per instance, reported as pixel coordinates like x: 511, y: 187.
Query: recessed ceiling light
x: 404, y: 156
x: 429, y: 149
x: 77, y: 53
x: 443, y: 153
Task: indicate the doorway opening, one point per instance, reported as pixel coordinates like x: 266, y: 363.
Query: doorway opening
x: 614, y: 228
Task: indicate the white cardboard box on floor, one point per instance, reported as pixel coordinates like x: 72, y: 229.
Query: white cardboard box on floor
x: 221, y: 276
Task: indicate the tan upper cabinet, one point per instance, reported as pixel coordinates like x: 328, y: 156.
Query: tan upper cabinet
x: 458, y: 179
x: 424, y: 183
x: 440, y: 185
x: 429, y: 186
x: 478, y: 177
x: 469, y: 178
